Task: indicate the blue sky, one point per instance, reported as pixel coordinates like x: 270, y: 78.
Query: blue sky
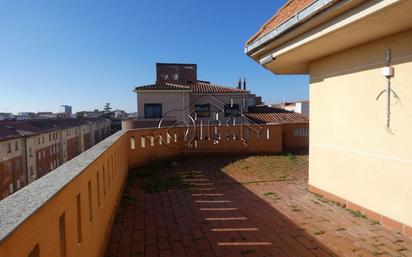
x: 85, y: 53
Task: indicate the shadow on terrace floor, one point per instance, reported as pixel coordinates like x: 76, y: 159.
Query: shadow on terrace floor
x: 237, y: 206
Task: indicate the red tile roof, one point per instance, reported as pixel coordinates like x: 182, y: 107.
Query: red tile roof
x: 164, y: 86
x: 200, y: 87
x: 15, y: 129
x: 7, y: 133
x: 283, y: 14
x: 23, y: 127
x: 197, y: 87
x: 276, y: 118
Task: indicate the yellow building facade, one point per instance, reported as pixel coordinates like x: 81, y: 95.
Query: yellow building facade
x: 360, y: 144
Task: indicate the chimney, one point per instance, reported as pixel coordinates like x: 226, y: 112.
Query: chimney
x: 244, y: 83
x: 239, y: 84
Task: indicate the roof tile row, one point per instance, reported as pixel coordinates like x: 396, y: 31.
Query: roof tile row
x: 276, y: 118
x: 284, y: 13
x: 197, y: 87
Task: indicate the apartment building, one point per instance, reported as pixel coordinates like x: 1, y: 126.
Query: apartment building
x: 31, y: 149
x: 70, y: 142
x: 6, y: 116
x: 12, y: 161
x: 358, y: 55
x: 179, y: 97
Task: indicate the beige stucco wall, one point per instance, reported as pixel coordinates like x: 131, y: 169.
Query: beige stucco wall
x: 5, y: 155
x: 352, y: 154
x: 174, y: 104
x: 179, y: 106
x: 217, y: 103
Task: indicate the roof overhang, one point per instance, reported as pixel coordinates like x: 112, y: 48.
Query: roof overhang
x: 339, y: 27
x: 300, y: 17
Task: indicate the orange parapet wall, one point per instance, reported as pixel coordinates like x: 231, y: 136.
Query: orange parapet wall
x: 149, y: 144
x: 296, y: 137
x: 67, y: 212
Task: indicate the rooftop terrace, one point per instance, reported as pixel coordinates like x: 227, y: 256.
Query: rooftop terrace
x: 163, y: 192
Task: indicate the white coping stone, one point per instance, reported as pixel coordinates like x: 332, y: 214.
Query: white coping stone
x: 18, y: 207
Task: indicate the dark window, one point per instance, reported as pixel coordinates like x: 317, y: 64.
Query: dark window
x: 153, y: 111
x: 202, y: 110
x: 17, y: 165
x: 232, y: 110
x: 10, y: 167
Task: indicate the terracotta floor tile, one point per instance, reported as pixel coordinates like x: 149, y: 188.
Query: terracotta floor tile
x: 256, y: 206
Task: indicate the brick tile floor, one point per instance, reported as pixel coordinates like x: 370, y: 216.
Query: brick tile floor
x: 242, y: 206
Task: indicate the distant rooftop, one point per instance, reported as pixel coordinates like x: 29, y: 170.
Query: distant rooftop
x: 266, y: 109
x: 290, y: 103
x: 15, y: 129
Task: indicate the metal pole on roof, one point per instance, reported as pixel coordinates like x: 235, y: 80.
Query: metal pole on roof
x: 388, y: 89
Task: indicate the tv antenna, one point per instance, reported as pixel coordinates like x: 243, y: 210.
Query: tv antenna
x: 388, y: 72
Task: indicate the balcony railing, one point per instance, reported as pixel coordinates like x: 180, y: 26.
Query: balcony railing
x: 69, y: 212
